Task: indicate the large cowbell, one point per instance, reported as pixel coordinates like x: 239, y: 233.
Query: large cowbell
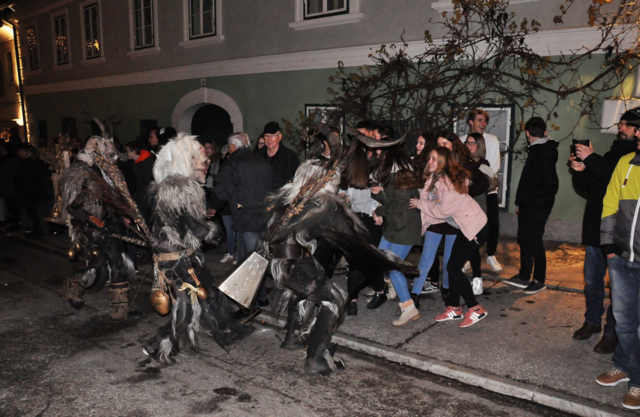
x: 243, y: 283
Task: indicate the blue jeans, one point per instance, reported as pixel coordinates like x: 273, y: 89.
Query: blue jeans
x: 625, y: 290
x: 227, y: 220
x: 397, y: 278
x: 429, y: 252
x: 595, y: 269
x: 247, y: 243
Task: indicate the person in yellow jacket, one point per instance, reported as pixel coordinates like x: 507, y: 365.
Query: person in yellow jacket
x: 620, y: 241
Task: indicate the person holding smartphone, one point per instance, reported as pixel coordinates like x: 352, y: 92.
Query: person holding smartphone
x: 591, y: 175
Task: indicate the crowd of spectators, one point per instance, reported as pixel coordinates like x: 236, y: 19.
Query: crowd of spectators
x: 442, y: 190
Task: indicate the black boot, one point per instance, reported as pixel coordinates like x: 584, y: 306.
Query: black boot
x: 320, y: 352
x: 416, y: 299
x: 294, y: 324
x: 377, y: 301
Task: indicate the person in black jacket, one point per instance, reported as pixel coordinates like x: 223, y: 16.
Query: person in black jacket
x: 591, y: 175
x: 535, y: 197
x: 283, y: 160
x: 31, y: 179
x: 244, y: 181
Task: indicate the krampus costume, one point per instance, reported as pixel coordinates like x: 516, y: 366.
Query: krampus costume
x: 89, y: 190
x: 179, y: 223
x: 308, y: 214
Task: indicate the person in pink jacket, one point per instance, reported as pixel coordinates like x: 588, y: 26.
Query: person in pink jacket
x: 445, y: 198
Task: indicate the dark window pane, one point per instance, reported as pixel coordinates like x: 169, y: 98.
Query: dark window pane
x: 314, y: 6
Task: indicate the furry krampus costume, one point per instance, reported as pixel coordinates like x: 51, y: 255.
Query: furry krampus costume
x: 309, y: 215
x: 89, y: 190
x: 179, y: 222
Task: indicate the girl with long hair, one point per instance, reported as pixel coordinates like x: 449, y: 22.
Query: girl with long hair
x: 396, y: 183
x: 445, y: 199
x: 476, y: 145
x: 355, y: 186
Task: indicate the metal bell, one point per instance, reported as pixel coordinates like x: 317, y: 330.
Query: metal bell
x: 243, y: 283
x: 72, y: 254
x: 160, y: 301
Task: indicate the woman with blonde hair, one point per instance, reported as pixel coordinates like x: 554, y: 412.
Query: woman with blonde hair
x: 445, y: 199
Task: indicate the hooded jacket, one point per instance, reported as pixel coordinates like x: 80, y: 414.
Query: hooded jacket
x: 619, y: 229
x: 539, y: 183
x: 593, y: 181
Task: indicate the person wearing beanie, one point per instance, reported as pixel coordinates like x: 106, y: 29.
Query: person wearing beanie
x: 620, y: 242
x: 591, y: 175
x: 283, y: 160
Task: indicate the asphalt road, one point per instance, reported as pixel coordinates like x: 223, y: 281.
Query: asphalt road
x: 55, y: 361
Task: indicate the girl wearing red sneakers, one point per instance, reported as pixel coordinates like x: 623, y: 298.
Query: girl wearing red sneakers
x: 445, y: 198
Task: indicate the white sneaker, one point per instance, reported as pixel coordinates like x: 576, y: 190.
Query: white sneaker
x: 477, y: 286
x: 494, y: 264
x: 467, y: 267
x: 390, y: 290
x: 228, y: 258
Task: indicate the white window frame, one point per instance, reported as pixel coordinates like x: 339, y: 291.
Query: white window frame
x: 9, y: 59
x: 353, y: 16
x: 144, y: 50
x: 205, y: 39
x: 323, y: 13
x: 97, y: 59
x: 28, y: 50
x: 54, y: 36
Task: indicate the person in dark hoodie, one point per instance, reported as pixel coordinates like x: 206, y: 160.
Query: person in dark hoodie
x: 591, y: 175
x: 535, y: 197
x: 31, y: 180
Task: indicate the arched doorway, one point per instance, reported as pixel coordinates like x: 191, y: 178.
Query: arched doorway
x: 212, y: 123
x: 190, y: 103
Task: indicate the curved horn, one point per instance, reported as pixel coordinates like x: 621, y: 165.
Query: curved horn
x: 332, y: 137
x: 374, y: 143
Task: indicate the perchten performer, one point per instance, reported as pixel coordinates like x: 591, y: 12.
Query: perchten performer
x: 98, y: 209
x: 309, y: 222
x: 179, y: 224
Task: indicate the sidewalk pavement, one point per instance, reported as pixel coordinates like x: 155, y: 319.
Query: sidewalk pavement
x: 524, y: 348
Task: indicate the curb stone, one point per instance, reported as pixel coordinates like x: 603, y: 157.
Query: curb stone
x: 504, y: 386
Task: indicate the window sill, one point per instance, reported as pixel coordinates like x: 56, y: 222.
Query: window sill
x: 63, y: 67
x: 327, y: 21
x: 93, y: 61
x: 202, y: 41
x: 447, y: 6
x: 143, y: 52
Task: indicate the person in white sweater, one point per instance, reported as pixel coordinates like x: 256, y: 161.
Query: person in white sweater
x: 477, y: 120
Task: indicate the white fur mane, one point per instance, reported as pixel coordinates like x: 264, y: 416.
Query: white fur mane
x: 176, y: 157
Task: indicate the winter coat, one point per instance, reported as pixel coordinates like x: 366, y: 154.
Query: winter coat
x: 539, y: 183
x: 143, y: 173
x: 401, y: 225
x: 450, y: 204
x: 593, y: 182
x: 8, y: 169
x: 284, y: 163
x: 619, y: 229
x: 244, y: 181
x: 32, y: 177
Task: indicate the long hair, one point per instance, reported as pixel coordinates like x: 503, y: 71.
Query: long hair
x: 450, y: 169
x: 395, y: 159
x: 177, y: 156
x: 356, y: 174
x: 460, y: 152
x: 430, y: 143
x: 482, y: 147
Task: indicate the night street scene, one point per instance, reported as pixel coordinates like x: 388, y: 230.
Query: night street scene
x: 319, y: 208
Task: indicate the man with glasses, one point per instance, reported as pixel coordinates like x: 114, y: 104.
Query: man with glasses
x: 477, y: 120
x: 284, y: 162
x: 591, y: 175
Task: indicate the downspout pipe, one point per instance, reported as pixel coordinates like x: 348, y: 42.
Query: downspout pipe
x: 20, y: 86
